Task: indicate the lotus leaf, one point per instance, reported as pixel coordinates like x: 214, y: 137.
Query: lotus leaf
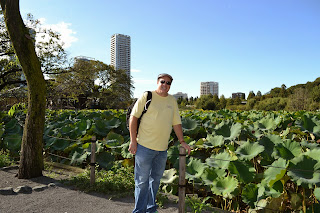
x: 276, y: 190
x: 78, y: 158
x: 124, y: 151
x: 105, y: 160
x: 211, y: 174
x: 82, y: 126
x: 225, y: 186
x: 100, y: 128
x: 314, y: 153
x: 113, y: 123
x: 275, y: 172
x: 169, y: 176
x: 173, y: 156
x: 287, y: 150
x: 242, y: 170
x: 99, y: 147
x: 214, y: 141
x: 249, y: 150
x: 49, y: 141
x: 220, y: 160
x: 170, y: 188
x: 309, y: 124
x: 113, y: 140
x: 189, y: 126
x: 261, y: 204
x: 60, y: 144
x: 66, y: 130
x: 11, y: 124
x: 228, y: 130
x: 305, y: 143
x: 316, y: 193
x: 269, y: 123
x: 304, y: 171
x: 268, y: 142
x: 250, y: 194
x: 13, y: 141
x: 13, y: 127
x: 209, y: 125
x: 194, y: 169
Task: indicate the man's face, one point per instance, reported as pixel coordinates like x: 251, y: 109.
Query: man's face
x: 164, y: 84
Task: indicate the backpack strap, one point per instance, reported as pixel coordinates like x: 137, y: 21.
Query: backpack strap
x: 148, y: 101
x: 146, y: 106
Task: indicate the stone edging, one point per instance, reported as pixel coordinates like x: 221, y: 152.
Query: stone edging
x: 23, y: 189
x: 9, y: 167
x: 26, y: 189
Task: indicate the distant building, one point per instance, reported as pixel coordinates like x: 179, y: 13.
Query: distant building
x: 84, y: 58
x: 240, y: 95
x: 210, y: 87
x: 121, y: 52
x: 180, y: 95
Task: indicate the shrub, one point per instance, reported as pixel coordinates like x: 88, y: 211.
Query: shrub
x: 117, y: 179
x: 5, y: 159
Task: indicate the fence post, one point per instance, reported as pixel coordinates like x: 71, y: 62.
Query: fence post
x: 182, y: 179
x: 93, y: 161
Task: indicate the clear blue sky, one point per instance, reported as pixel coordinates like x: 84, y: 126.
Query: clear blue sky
x: 245, y: 45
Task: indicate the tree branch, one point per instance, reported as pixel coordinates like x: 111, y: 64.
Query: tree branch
x: 3, y: 75
x: 11, y: 83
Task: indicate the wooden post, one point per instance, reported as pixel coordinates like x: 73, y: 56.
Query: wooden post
x: 93, y: 161
x: 182, y: 179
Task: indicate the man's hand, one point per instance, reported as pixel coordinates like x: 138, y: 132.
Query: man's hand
x: 186, y: 146
x: 133, y: 147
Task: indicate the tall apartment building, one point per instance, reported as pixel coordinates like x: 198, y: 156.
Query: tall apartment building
x: 121, y: 52
x: 209, y: 87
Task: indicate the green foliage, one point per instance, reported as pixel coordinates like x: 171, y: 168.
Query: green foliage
x: 225, y: 186
x: 115, y: 180
x: 197, y: 204
x: 5, y: 159
x: 255, y: 157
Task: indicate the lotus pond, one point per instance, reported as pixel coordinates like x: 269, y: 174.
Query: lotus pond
x: 241, y: 160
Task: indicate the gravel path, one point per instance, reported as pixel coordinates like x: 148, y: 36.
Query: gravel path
x: 47, y: 195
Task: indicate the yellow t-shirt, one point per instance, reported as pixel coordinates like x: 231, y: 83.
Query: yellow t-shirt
x: 156, y: 124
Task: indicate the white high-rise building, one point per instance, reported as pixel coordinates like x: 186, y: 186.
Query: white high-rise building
x: 121, y: 52
x: 209, y: 87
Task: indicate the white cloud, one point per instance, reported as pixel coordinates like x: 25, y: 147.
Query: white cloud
x: 67, y: 34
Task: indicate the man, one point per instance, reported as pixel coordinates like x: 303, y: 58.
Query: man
x: 150, y: 144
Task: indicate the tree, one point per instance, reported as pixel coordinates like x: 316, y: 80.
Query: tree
x: 259, y: 93
x: 31, y: 158
x: 49, y: 49
x: 216, y: 101
x: 75, y: 82
x: 223, y: 102
x: 251, y: 95
x: 316, y: 93
x: 237, y: 101
x: 77, y: 85
x: 299, y: 100
x: 230, y: 102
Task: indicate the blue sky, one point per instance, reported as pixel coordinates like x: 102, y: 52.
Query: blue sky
x: 245, y: 45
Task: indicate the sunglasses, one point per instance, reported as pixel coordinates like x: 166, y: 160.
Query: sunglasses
x: 167, y: 82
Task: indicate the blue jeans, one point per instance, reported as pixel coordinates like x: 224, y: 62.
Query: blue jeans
x: 149, y: 168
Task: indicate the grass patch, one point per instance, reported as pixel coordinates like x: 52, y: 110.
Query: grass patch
x: 5, y: 159
x: 118, y: 179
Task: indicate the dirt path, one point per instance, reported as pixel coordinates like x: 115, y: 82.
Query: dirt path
x: 59, y: 198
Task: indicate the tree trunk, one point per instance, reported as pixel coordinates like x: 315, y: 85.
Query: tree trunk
x: 31, y: 158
